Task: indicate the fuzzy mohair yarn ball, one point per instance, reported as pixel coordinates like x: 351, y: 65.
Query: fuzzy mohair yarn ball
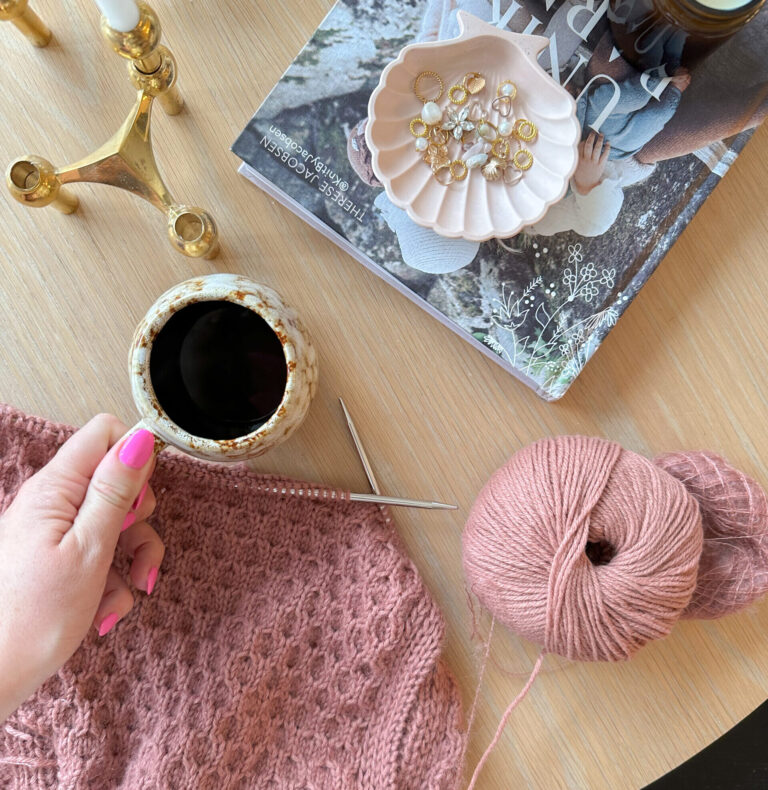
x: 591, y: 550
x: 733, y: 568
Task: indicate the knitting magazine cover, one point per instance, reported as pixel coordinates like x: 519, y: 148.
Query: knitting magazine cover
x: 539, y: 303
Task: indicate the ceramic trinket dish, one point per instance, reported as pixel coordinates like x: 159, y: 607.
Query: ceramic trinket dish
x: 482, y: 204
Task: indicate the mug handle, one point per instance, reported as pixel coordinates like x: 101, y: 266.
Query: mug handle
x: 146, y: 425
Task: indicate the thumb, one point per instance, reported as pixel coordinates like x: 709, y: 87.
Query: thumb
x: 114, y: 487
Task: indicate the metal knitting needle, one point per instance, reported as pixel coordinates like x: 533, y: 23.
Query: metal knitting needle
x: 360, y: 449
x: 377, y: 497
x: 399, y: 502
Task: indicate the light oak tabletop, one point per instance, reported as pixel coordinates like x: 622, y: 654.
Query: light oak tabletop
x: 684, y: 368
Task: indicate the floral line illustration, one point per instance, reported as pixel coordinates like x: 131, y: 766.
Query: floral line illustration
x: 532, y: 331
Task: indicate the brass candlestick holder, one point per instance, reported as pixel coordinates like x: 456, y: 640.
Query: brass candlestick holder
x: 26, y: 20
x: 127, y: 160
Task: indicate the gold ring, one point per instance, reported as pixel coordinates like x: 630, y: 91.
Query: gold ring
x: 528, y: 159
x: 464, y: 94
x: 462, y: 174
x: 425, y: 74
x: 443, y: 175
x: 525, y: 130
x: 500, y: 148
x: 422, y: 132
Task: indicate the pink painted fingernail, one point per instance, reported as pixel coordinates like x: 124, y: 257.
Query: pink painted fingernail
x: 138, y: 449
x: 107, y: 624
x: 140, y: 498
x: 129, y: 519
x: 151, y: 579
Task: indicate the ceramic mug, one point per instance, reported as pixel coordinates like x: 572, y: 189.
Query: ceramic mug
x: 300, y: 367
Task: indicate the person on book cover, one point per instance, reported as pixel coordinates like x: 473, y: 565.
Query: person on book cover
x: 651, y: 122
x: 608, y: 162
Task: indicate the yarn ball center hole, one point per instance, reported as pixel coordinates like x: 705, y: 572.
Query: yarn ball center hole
x: 599, y: 552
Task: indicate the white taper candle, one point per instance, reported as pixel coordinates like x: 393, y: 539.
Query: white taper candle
x: 724, y: 5
x: 121, y: 15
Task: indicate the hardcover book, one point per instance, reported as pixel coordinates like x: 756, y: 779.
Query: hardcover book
x: 655, y: 144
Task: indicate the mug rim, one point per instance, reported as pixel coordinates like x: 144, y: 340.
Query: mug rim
x: 260, y: 299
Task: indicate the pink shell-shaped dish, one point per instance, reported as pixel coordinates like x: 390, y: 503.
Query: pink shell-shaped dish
x: 474, y: 208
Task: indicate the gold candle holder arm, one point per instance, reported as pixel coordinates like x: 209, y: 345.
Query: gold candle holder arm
x: 26, y: 20
x: 126, y: 161
x: 33, y: 181
x: 151, y: 66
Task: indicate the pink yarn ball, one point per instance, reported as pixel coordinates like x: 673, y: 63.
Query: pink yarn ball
x: 592, y: 551
x: 733, y: 569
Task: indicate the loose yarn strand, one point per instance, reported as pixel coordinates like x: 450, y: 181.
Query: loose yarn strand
x: 473, y: 709
x: 28, y: 762
x: 481, y: 675
x: 507, y: 713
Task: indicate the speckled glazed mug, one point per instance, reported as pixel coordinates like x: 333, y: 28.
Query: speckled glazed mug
x: 300, y: 362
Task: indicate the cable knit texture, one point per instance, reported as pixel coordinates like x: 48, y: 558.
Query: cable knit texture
x: 288, y: 644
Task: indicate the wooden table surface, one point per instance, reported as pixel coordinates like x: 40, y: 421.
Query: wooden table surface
x: 685, y: 367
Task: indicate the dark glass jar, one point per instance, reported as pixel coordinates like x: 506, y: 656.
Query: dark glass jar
x: 674, y: 33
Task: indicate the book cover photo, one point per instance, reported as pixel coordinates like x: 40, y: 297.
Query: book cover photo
x: 654, y: 145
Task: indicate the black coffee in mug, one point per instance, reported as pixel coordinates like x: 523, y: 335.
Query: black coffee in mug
x: 218, y: 369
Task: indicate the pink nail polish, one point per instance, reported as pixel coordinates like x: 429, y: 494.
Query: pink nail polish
x: 140, y: 498
x: 151, y: 579
x: 129, y: 519
x: 107, y: 624
x: 138, y: 449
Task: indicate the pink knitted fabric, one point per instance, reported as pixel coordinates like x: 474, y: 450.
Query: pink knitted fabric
x: 288, y: 644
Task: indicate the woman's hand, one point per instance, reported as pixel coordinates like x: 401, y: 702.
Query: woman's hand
x: 593, y: 154
x: 57, y: 544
